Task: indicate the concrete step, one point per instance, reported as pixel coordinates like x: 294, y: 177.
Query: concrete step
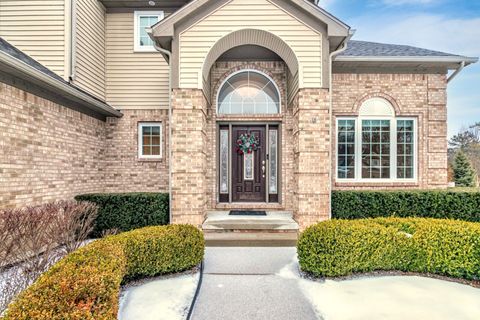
x: 277, y: 228
x: 274, y: 220
x: 251, y: 239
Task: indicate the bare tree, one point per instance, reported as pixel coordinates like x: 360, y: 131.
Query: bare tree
x: 74, y: 223
x: 33, y: 238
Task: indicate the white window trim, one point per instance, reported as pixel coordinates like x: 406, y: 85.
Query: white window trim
x: 136, y: 46
x: 224, y: 82
x: 141, y: 125
x: 393, y: 148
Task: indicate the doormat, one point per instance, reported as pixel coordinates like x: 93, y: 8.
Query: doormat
x: 247, y: 213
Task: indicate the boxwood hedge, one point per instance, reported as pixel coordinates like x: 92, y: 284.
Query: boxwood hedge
x: 86, y: 283
x: 462, y: 205
x: 127, y: 211
x: 342, y: 247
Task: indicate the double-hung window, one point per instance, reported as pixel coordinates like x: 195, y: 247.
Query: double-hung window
x: 376, y: 145
x: 143, y: 20
x: 150, y: 140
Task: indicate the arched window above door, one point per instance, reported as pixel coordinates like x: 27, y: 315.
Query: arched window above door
x: 248, y: 92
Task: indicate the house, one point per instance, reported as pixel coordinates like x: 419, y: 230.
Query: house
x: 226, y: 104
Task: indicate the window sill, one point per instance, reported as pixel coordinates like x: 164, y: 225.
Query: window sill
x: 146, y: 50
x: 359, y: 183
x: 150, y: 159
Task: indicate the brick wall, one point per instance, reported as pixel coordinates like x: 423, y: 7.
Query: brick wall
x: 124, y: 171
x: 48, y: 152
x: 312, y: 156
x: 413, y: 95
x: 189, y: 156
x: 51, y: 152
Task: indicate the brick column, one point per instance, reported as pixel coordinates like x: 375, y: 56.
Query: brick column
x: 311, y: 156
x: 437, y: 166
x: 188, y: 156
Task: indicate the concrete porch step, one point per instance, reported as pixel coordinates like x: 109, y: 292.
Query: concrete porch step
x: 274, y: 220
x: 277, y: 228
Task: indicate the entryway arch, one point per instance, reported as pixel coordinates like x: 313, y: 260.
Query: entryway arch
x: 255, y: 37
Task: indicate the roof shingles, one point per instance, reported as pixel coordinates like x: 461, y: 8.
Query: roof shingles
x: 357, y: 48
x: 12, y: 51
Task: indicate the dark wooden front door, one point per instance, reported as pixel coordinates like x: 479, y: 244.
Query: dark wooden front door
x: 249, y: 170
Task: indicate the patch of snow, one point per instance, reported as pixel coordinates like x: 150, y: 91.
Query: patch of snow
x: 166, y: 298
x: 290, y: 271
x: 387, y: 297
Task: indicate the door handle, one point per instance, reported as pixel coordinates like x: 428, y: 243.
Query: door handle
x: 263, y: 168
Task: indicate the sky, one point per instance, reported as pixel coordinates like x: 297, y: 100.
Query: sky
x: 451, y: 26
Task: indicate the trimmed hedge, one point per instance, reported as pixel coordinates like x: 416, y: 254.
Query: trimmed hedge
x: 461, y: 205
x: 128, y: 211
x: 86, y: 283
x: 342, y: 247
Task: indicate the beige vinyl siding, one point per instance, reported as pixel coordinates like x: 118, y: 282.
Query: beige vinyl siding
x: 196, y: 41
x: 37, y: 27
x: 90, y: 47
x: 134, y: 80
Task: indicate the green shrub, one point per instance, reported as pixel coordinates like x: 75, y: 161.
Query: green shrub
x: 448, y: 204
x: 155, y: 250
x: 86, y: 283
x: 343, y: 247
x: 128, y: 211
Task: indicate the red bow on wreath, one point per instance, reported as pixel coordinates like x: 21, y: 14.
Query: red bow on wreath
x: 247, y: 143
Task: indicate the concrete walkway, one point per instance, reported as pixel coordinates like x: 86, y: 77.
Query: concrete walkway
x: 264, y: 283
x: 243, y: 283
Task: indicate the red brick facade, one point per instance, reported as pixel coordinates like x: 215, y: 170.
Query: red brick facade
x: 48, y: 152
x: 51, y: 152
x: 421, y: 96
x: 124, y: 171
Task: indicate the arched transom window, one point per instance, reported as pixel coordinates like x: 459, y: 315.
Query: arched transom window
x: 248, y: 92
x: 376, y: 145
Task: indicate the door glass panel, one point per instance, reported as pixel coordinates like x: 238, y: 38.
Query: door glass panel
x: 248, y: 166
x: 273, y: 160
x: 224, y: 161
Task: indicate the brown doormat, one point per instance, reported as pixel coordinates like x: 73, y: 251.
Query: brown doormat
x: 247, y: 213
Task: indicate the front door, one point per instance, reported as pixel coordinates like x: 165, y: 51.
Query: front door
x: 249, y: 168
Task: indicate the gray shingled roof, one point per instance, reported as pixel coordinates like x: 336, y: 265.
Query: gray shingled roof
x: 12, y: 51
x: 9, y: 49
x: 373, y: 49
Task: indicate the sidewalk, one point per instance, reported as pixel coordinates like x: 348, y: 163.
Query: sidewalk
x: 243, y: 283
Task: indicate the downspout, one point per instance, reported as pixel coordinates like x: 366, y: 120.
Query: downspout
x: 456, y: 72
x: 342, y: 47
x: 169, y: 55
x: 73, y: 39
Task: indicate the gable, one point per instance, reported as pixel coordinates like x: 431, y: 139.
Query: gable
x: 196, y: 41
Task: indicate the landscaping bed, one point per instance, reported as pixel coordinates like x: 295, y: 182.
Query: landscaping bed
x: 343, y: 247
x: 86, y: 284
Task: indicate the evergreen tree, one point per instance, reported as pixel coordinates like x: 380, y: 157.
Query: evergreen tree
x: 464, y: 174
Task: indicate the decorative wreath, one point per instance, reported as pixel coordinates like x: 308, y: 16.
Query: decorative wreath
x: 247, y: 143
